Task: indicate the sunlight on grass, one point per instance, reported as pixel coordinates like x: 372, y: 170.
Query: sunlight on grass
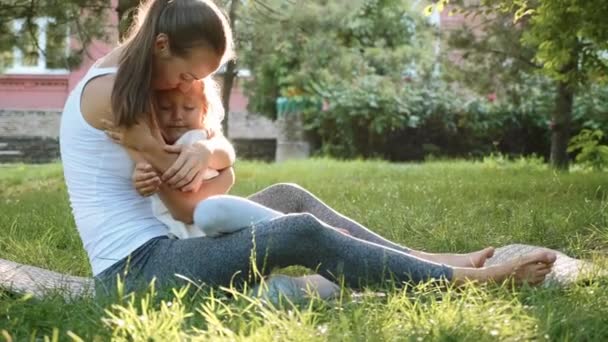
x: 453, y: 206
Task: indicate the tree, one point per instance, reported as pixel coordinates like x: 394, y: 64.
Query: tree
x: 125, y: 11
x: 82, y: 20
x: 364, y: 58
x: 231, y: 71
x: 570, y: 40
x: 312, y: 43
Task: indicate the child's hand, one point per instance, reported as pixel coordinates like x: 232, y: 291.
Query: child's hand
x: 145, y: 179
x: 136, y: 137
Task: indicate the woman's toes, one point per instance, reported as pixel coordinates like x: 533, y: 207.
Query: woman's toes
x: 543, y: 271
x: 543, y: 257
x: 489, y: 252
x: 547, y: 258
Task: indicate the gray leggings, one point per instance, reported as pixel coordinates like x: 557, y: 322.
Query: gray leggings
x: 302, y: 237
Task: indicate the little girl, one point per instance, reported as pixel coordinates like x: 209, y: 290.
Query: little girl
x: 184, y: 119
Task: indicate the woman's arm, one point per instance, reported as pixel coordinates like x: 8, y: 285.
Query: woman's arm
x: 95, y: 107
x: 180, y: 172
x: 164, y: 158
x: 181, y: 204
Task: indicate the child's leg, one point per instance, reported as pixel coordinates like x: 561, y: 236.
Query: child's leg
x: 225, y: 214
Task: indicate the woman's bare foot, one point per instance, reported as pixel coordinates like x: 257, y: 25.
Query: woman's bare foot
x: 474, y: 260
x: 531, y: 268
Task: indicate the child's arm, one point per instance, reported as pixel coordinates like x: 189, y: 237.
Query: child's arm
x: 146, y: 180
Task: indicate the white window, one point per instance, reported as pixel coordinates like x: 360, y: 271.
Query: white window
x: 40, y: 49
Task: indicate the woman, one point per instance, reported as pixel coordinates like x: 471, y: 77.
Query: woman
x: 171, y: 44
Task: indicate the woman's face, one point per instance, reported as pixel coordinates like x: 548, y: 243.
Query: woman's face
x: 179, y: 112
x: 174, y: 72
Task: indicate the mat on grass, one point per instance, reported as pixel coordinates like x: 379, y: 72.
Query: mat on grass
x: 25, y: 279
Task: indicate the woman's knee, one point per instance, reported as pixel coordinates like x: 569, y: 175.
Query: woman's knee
x: 303, y: 225
x: 286, y: 187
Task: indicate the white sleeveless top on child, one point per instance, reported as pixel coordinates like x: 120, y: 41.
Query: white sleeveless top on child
x: 177, y: 228
x: 112, y: 218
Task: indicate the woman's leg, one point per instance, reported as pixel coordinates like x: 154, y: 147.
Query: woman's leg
x: 302, y: 239
x: 297, y: 239
x: 225, y: 214
x: 291, y: 198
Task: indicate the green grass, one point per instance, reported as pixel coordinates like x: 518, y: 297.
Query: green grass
x: 437, y: 206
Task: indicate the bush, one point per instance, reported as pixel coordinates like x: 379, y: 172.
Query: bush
x: 410, y: 121
x: 591, y: 154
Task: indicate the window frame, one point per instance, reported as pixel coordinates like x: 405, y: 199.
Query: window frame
x: 40, y: 68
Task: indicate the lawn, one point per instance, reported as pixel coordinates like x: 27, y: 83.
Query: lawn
x: 450, y: 206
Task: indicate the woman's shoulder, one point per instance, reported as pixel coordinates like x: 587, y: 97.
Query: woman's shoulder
x: 96, y: 100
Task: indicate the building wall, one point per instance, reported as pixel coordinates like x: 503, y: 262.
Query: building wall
x: 39, y: 123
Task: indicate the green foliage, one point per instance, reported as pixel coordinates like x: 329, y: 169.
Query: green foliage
x: 362, y: 115
x: 591, y: 107
x: 372, y: 63
x: 568, y: 37
x: 491, y: 58
x: 79, y: 20
x: 501, y: 161
x: 590, y: 152
x: 316, y: 48
x: 421, y: 119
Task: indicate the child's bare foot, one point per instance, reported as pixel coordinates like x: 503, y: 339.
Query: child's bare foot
x: 474, y: 259
x: 531, y: 268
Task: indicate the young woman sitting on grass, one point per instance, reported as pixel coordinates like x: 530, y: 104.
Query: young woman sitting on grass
x: 172, y: 44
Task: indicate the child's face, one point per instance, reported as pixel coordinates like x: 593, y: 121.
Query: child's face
x: 179, y: 112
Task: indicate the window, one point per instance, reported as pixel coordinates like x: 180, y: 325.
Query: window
x: 41, y: 48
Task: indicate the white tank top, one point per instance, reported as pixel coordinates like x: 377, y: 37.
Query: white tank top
x: 112, y: 218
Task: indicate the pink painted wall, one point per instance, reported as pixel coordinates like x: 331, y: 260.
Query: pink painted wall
x: 33, y: 91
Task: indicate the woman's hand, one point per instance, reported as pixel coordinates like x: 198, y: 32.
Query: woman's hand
x: 187, y: 171
x: 136, y: 137
x: 145, y: 179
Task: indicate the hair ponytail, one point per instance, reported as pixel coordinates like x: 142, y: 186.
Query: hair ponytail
x: 187, y: 24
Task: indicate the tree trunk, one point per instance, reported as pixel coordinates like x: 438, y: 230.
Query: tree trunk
x: 229, y: 77
x: 560, y: 132
x: 125, y: 10
x: 231, y: 69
